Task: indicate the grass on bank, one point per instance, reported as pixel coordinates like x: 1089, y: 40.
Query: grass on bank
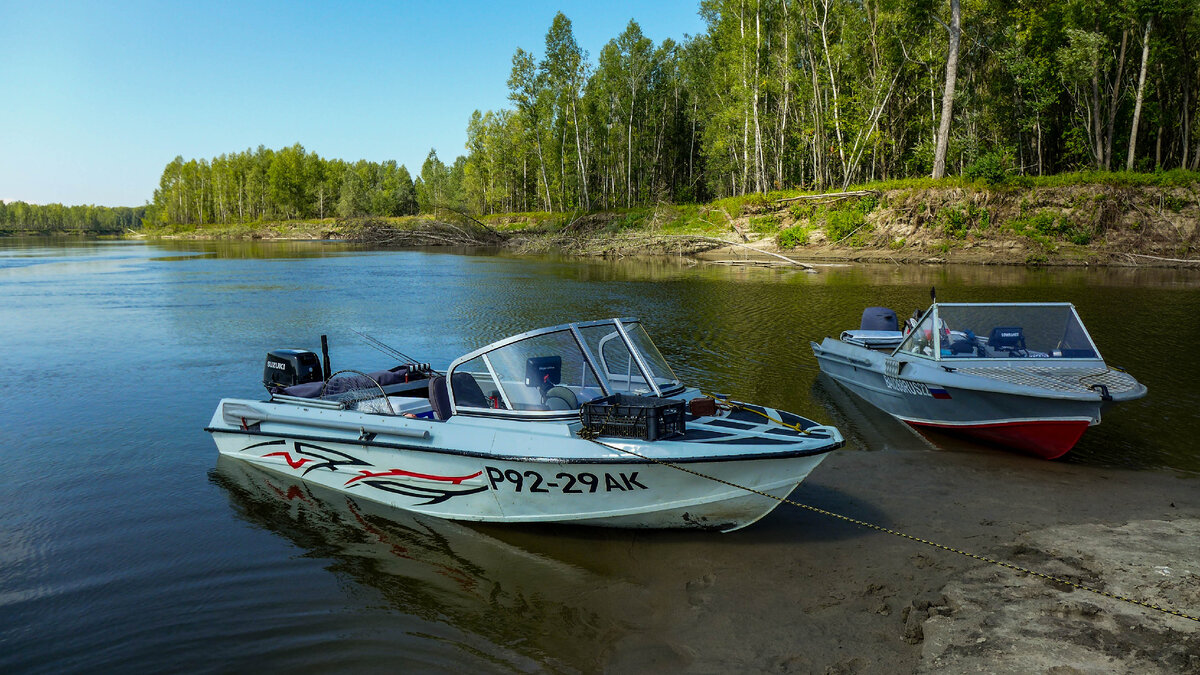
x: 763, y: 212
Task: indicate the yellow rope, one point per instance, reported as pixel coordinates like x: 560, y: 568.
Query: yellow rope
x: 735, y: 404
x: 879, y: 528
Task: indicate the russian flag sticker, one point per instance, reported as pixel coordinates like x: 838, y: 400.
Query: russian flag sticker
x: 937, y: 392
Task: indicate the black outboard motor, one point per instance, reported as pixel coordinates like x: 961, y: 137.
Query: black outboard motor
x: 879, y: 318
x: 287, y: 367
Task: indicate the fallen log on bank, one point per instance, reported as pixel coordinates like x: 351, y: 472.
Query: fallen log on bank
x: 756, y: 250
x: 830, y: 197
x: 378, y: 232
x: 620, y: 245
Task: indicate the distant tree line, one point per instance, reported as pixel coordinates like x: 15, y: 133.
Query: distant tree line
x: 267, y: 184
x: 56, y: 218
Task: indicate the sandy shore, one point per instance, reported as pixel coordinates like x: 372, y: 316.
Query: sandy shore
x: 803, y: 592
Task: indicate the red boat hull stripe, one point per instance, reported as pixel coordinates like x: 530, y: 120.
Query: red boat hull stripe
x: 1049, y: 439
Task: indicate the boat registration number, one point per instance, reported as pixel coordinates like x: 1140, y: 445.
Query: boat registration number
x: 563, y: 482
x: 906, y: 387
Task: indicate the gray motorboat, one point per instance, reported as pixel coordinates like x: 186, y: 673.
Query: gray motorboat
x: 1023, y: 375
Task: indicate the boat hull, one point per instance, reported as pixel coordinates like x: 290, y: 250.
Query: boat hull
x: 1047, y: 426
x: 629, y: 493
x: 1048, y: 439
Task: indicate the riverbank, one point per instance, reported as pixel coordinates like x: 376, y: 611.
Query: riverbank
x: 832, y: 597
x: 1076, y: 219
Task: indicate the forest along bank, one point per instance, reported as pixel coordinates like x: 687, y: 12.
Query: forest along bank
x: 1072, y: 224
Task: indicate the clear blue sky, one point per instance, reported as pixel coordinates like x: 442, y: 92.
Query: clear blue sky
x: 96, y: 97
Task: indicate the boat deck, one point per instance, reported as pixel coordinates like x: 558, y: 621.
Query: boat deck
x: 1059, y: 378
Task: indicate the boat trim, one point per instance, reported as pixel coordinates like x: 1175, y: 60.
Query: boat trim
x: 637, y: 356
x: 1088, y: 396
x: 848, y: 360
x: 532, y: 333
x: 522, y: 415
x: 496, y: 378
x: 997, y: 422
x: 616, y: 459
x: 869, y: 387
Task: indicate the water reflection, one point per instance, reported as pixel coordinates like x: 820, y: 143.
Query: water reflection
x: 510, y: 598
x: 257, y: 249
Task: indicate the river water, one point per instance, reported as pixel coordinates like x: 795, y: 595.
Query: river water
x: 124, y: 544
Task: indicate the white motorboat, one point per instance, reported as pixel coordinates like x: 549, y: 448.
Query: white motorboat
x: 583, y: 423
x: 1023, y: 375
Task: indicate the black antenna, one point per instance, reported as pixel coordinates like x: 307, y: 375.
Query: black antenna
x: 933, y: 293
x: 325, y: 353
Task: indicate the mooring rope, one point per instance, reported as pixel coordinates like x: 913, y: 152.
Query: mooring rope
x: 888, y: 530
x: 725, y: 401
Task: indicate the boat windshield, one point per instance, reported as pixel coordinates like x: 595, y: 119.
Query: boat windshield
x: 974, y: 331
x: 560, y: 368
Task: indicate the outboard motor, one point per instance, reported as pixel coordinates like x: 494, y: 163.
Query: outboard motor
x: 287, y: 367
x: 879, y: 318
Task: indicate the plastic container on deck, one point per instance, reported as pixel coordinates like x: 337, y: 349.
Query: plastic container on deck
x: 626, y: 416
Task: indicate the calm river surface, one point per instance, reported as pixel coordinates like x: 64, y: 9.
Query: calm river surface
x: 124, y: 544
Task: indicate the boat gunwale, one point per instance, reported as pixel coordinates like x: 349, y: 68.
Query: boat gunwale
x: 942, y: 381
x: 619, y: 459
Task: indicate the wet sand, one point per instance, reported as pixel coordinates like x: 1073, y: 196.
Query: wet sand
x: 803, y: 592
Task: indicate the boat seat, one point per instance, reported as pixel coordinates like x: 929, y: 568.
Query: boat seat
x: 874, y: 339
x: 467, y: 394
x: 964, y: 344
x: 561, y: 398
x: 439, y: 398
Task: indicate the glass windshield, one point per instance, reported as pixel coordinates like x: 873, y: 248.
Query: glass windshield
x: 1012, y: 331
x: 562, y: 368
x: 921, y: 340
x: 543, y: 372
x: 659, y: 370
x: 619, y: 366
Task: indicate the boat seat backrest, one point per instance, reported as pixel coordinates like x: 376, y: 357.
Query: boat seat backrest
x: 389, y: 377
x: 439, y: 398
x: 879, y: 318
x: 467, y: 393
x: 963, y: 345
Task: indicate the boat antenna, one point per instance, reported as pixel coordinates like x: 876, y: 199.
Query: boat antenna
x: 933, y: 293
x: 387, y: 349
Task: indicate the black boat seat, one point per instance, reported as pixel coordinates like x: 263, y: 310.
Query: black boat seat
x: 439, y: 398
x: 965, y: 344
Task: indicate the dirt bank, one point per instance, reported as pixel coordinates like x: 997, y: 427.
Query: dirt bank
x: 1070, y: 225
x: 1086, y: 224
